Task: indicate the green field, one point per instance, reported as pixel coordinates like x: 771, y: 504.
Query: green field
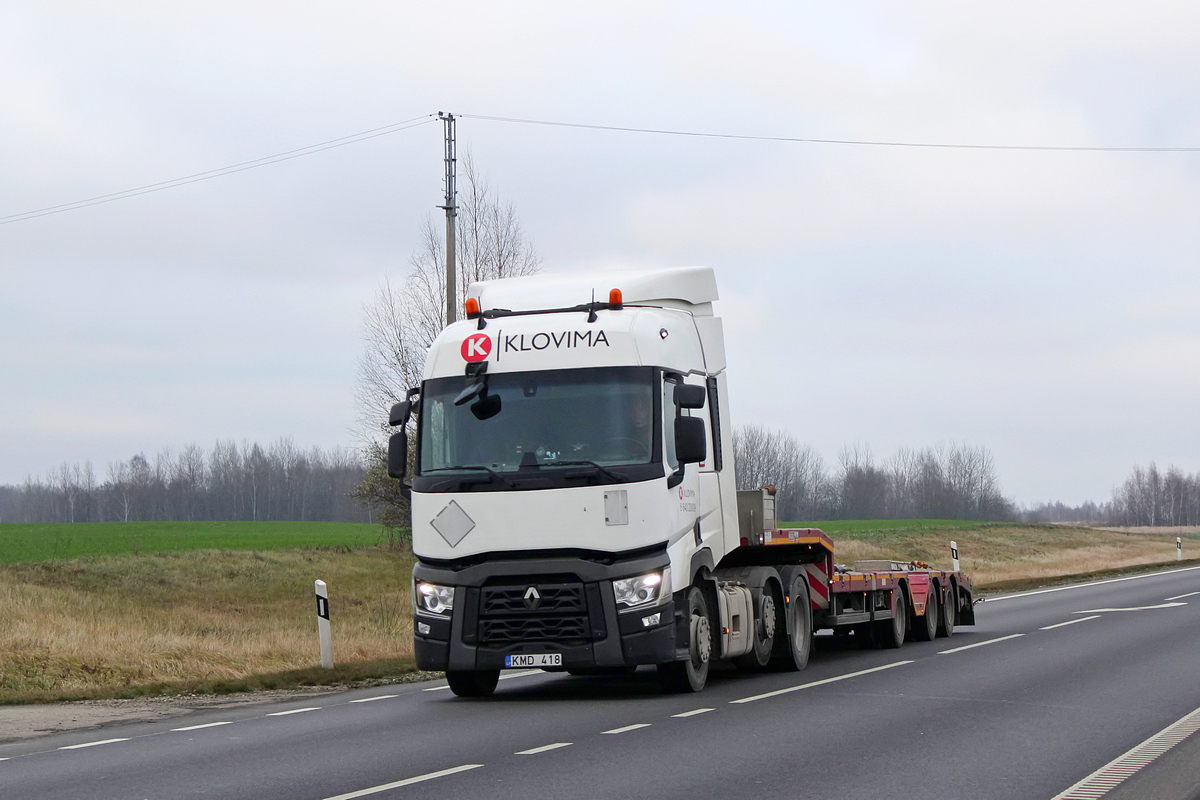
x: 22, y: 543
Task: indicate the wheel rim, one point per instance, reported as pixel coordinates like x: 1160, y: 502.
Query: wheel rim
x: 701, y: 640
x: 768, y: 616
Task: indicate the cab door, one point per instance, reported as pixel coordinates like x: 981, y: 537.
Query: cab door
x: 694, y: 500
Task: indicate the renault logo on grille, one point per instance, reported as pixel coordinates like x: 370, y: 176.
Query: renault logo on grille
x: 532, y: 598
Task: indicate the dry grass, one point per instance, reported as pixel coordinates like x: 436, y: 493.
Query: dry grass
x: 195, y: 620
x: 995, y: 554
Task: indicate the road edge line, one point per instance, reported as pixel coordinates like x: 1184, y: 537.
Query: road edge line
x: 1085, y: 585
x: 1112, y: 774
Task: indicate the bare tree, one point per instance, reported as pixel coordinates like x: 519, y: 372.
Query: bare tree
x: 402, y: 321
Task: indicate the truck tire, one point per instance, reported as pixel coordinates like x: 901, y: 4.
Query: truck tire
x: 890, y: 633
x: 766, y: 629
x: 691, y: 675
x: 792, y: 650
x: 949, y: 612
x: 925, y: 629
x: 473, y: 683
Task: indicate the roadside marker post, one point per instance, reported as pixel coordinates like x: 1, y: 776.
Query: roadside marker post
x: 1179, y: 548
x: 323, y: 625
x: 954, y: 554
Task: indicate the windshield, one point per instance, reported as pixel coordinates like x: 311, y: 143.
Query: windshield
x: 524, y: 421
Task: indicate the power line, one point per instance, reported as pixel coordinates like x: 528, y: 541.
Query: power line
x: 216, y: 173
x: 935, y: 145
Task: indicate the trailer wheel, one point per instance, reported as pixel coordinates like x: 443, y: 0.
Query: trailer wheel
x: 473, y: 683
x: 949, y: 612
x: 889, y: 633
x: 926, y: 628
x: 692, y: 674
x: 797, y: 645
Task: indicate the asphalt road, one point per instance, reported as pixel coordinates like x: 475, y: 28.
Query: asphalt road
x: 1049, y: 687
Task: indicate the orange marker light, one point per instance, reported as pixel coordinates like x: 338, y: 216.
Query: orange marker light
x: 472, y: 308
x: 614, y: 298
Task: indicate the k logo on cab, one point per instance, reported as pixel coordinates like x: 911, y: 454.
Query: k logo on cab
x: 476, y: 347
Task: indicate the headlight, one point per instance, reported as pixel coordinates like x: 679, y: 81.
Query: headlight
x: 643, y: 590
x: 433, y: 599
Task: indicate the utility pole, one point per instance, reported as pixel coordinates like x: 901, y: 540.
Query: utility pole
x: 451, y: 208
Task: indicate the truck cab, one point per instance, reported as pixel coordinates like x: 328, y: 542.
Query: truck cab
x: 573, y: 470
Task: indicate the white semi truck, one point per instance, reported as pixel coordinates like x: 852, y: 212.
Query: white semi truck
x: 574, y: 504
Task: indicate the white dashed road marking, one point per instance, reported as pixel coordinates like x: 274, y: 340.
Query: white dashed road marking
x: 92, y: 744
x: 629, y: 728
x: 535, y: 750
x: 406, y: 782
x: 520, y: 674
x: 980, y: 644
x: 198, y: 727
x: 694, y: 712
x: 294, y: 711
x: 1068, y: 622
x: 376, y: 697
x: 820, y: 683
x: 1181, y: 596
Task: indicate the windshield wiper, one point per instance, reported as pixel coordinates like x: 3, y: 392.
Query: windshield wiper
x: 495, y: 475
x: 583, y: 462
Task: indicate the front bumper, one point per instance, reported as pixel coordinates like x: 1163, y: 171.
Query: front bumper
x: 578, y: 618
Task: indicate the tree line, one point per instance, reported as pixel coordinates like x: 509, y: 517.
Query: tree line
x: 955, y: 482
x: 1148, y: 497
x: 230, y: 482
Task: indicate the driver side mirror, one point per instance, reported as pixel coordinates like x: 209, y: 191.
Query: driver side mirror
x: 397, y: 457
x: 691, y: 445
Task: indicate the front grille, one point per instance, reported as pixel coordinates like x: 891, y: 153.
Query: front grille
x: 511, y: 630
x: 553, y: 598
x: 509, y: 614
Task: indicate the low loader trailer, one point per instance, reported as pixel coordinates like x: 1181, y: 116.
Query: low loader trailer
x: 574, y: 502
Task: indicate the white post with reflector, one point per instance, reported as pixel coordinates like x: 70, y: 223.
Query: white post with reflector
x: 1179, y: 548
x: 323, y: 625
x: 954, y: 554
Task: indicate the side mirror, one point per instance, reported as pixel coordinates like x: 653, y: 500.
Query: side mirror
x: 400, y: 412
x: 688, y: 396
x: 691, y: 444
x: 398, y: 454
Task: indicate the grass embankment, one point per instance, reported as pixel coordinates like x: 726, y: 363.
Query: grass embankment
x: 1004, y: 556
x: 58, y: 541
x: 223, y: 621
x: 150, y: 619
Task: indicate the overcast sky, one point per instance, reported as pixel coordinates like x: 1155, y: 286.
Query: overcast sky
x: 1045, y: 305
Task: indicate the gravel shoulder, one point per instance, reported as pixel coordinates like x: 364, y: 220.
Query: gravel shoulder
x: 43, y: 719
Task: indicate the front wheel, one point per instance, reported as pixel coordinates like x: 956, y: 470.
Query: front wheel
x: 473, y: 683
x: 692, y: 674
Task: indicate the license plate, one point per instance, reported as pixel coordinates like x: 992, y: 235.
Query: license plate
x: 534, y: 660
